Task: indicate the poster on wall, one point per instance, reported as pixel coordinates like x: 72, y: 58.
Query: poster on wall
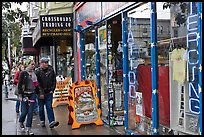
x: 102, y: 37
x: 84, y: 104
x: 139, y: 103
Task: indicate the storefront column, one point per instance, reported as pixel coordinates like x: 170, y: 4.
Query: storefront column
x: 98, y: 82
x: 125, y: 68
x: 82, y: 52
x: 154, y: 70
x: 200, y: 61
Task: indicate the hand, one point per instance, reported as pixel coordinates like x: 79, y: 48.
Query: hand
x: 20, y: 98
x: 41, y: 96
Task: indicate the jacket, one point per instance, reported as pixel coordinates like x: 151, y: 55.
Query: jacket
x: 23, y: 84
x: 16, y: 77
x: 46, y: 79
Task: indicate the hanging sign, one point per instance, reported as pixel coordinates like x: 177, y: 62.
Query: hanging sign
x: 84, y: 103
x: 56, y: 25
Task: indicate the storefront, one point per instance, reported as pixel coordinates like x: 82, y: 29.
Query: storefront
x: 136, y: 80
x: 53, y: 36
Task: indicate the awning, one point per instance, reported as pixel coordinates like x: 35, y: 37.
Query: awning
x: 29, y: 51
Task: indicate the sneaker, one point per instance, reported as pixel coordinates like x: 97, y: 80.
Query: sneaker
x: 42, y: 123
x: 21, y: 125
x: 53, y: 124
x: 29, y: 131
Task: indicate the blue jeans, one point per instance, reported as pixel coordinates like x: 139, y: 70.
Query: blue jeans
x: 47, y: 101
x: 17, y: 106
x: 27, y: 110
x: 36, y: 109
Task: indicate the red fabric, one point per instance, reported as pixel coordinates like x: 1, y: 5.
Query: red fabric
x: 35, y: 84
x: 16, y: 77
x: 145, y: 86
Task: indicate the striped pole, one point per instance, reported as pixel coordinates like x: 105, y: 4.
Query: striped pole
x: 125, y: 68
x: 154, y: 70
x: 98, y: 82
x: 200, y: 61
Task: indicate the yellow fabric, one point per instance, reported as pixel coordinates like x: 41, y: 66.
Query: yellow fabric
x: 179, y: 64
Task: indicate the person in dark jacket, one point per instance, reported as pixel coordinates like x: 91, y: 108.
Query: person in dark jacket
x: 47, y: 81
x: 27, y: 87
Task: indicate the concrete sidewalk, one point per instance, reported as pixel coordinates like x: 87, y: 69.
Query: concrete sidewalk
x: 10, y: 124
x: 8, y: 114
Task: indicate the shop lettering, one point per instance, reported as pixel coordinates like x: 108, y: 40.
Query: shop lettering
x: 54, y: 18
x: 56, y: 24
x: 80, y: 90
x: 131, y: 73
x: 192, y: 44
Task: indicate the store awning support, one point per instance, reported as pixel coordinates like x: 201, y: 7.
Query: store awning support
x: 125, y: 67
x: 98, y: 83
x: 154, y: 70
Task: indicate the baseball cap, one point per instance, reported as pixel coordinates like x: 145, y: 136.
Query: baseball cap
x: 44, y: 59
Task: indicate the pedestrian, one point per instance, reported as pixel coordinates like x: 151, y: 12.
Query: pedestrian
x: 16, y: 76
x: 27, y: 88
x: 47, y: 81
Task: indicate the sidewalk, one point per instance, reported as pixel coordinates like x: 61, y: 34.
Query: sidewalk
x: 61, y: 115
x: 8, y: 114
x: 10, y: 124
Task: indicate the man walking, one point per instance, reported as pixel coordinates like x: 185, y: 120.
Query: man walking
x: 47, y: 81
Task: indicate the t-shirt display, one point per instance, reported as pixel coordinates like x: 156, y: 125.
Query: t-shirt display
x: 179, y: 64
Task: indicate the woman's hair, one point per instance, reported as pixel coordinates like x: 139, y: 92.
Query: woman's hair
x: 19, y: 68
x: 28, y: 62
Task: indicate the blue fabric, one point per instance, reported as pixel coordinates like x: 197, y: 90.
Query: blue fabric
x: 47, y: 101
x: 36, y: 108
x: 27, y: 110
x: 17, y: 106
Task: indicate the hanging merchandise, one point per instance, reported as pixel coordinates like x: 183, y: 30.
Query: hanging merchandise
x: 115, y: 85
x: 178, y: 58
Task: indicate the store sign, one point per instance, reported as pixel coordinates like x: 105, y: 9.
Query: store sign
x: 192, y: 56
x: 56, y: 25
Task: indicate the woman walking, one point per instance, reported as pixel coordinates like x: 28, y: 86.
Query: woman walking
x: 27, y: 88
x: 16, y: 76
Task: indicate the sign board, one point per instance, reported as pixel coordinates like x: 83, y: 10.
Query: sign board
x: 84, y: 103
x: 56, y: 25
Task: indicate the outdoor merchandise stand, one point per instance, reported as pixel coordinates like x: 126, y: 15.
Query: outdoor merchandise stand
x: 60, y: 95
x: 84, y: 104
